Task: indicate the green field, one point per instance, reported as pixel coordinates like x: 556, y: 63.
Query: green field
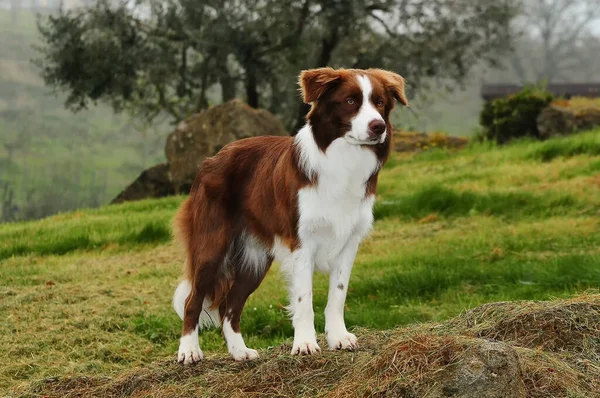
x: 88, y: 293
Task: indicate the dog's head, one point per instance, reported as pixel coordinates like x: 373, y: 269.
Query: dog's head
x: 352, y: 104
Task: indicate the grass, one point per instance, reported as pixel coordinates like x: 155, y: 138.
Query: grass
x: 85, y: 296
x: 105, y: 228
x: 565, y: 148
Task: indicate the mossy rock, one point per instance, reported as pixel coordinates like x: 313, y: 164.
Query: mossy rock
x: 204, y: 134
x: 569, y: 117
x: 154, y: 182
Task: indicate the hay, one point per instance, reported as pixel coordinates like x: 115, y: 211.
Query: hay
x: 563, y: 325
x: 549, y: 375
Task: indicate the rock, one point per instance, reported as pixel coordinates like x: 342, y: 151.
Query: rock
x: 204, y: 134
x: 447, y: 365
x: 152, y: 183
x: 558, y: 119
x: 487, y: 369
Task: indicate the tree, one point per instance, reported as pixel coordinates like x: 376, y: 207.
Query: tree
x: 15, y: 6
x: 555, y: 39
x: 167, y: 59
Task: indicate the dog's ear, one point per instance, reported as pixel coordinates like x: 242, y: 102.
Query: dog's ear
x: 314, y: 82
x: 393, y: 82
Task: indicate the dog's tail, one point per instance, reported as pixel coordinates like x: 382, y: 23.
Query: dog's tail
x: 183, y: 233
x: 181, y: 293
x: 209, y: 317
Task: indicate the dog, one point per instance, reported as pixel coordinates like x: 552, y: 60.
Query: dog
x: 304, y: 201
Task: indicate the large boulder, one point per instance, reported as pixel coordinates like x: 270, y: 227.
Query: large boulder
x: 561, y: 119
x: 204, y: 134
x: 152, y: 183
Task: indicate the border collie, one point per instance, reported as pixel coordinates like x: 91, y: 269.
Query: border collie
x: 304, y: 201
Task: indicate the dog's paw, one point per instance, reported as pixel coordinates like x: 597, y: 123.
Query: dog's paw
x: 305, y: 348
x: 243, y: 354
x: 189, y: 351
x: 343, y: 341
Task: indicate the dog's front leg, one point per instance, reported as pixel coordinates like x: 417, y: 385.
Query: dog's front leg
x: 335, y: 328
x: 301, y: 306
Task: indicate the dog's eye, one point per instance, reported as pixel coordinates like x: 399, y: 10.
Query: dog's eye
x: 350, y: 101
x: 379, y: 103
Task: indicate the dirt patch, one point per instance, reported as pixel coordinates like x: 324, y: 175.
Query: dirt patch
x: 410, y: 141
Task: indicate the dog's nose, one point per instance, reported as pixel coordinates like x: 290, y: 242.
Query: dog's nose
x: 376, y: 128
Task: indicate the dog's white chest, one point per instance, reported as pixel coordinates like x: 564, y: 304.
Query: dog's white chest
x: 327, y: 226
x: 336, y: 210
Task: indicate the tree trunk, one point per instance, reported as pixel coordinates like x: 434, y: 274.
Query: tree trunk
x: 327, y: 46
x: 227, y: 87
x: 14, y: 10
x: 251, y: 86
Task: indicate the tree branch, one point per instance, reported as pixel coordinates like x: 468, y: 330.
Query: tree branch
x: 385, y: 26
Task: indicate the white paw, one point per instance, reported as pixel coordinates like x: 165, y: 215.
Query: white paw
x: 189, y: 350
x: 343, y: 341
x: 305, y: 348
x: 243, y: 354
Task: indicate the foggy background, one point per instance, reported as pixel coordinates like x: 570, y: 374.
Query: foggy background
x: 52, y: 159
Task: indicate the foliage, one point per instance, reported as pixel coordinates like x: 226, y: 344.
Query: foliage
x: 50, y: 159
x: 88, y: 293
x: 167, y: 58
x: 514, y: 116
x: 556, y: 41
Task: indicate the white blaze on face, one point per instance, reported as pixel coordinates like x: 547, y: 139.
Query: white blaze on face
x: 366, y: 114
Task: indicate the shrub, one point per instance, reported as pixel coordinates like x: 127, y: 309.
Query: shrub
x: 514, y: 116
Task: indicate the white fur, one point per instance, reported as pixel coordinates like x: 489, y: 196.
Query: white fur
x: 254, y: 254
x: 366, y: 114
x: 208, y: 317
x: 335, y: 329
x: 334, y: 216
x: 189, y: 349
x: 235, y: 344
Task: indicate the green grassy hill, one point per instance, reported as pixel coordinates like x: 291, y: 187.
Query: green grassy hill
x: 88, y: 293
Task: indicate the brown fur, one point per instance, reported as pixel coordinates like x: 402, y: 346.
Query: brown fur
x: 249, y: 185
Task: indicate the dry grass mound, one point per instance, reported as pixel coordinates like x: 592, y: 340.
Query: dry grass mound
x: 504, y: 350
x: 556, y: 326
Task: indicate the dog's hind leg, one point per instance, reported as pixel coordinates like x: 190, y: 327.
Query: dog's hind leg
x: 207, y: 248
x: 251, y: 266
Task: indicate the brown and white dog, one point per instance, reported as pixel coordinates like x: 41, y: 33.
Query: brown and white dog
x: 304, y: 201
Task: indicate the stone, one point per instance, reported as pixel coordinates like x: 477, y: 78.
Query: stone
x: 204, y: 134
x: 557, y: 120
x: 152, y: 183
x: 487, y: 369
